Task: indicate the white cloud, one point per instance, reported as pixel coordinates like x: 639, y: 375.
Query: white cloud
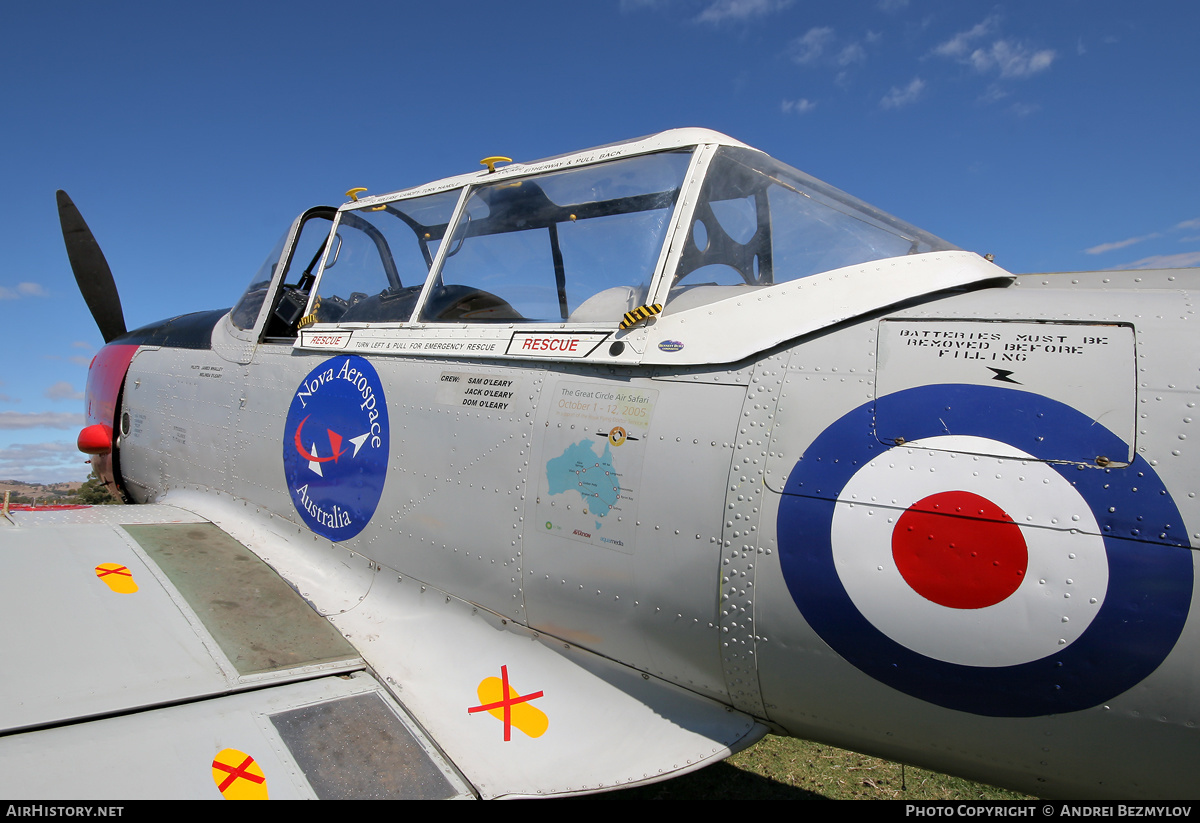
x: 62, y: 390
x: 993, y: 94
x: 1024, y: 109
x: 809, y: 47
x: 958, y: 45
x: 1119, y: 244
x: 1006, y: 57
x: 1165, y: 261
x: 801, y: 106
x: 820, y: 45
x: 721, y: 10
x: 41, y: 420
x: 42, y: 463
x: 1011, y: 59
x: 852, y: 53
x: 1184, y: 225
x: 899, y: 97
x: 82, y: 359
x: 22, y: 290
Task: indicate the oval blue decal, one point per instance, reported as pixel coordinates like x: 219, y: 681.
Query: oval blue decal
x: 335, y: 449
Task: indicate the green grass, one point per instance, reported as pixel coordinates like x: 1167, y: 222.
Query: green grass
x: 791, y: 769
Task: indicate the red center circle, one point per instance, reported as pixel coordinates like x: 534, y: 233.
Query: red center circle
x: 959, y: 550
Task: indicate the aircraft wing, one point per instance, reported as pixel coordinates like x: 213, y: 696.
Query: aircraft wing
x: 158, y: 655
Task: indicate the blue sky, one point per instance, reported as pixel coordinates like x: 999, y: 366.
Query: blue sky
x: 1057, y: 135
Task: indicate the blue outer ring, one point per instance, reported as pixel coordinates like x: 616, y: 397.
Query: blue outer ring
x: 353, y: 485
x: 1150, y: 568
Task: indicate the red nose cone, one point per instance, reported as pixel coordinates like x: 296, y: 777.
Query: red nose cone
x: 95, y: 439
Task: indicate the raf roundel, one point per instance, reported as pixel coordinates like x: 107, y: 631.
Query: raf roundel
x: 964, y: 568
x: 335, y: 447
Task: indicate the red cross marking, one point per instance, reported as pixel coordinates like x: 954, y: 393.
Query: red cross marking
x: 235, y: 772
x: 505, y: 702
x: 122, y: 571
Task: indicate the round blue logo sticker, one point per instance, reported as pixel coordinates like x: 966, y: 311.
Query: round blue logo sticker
x: 335, y: 449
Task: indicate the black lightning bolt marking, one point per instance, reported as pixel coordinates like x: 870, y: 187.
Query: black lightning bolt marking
x: 1003, y: 376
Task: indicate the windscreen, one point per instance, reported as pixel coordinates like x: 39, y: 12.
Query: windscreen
x: 573, y: 246
x: 380, y: 258
x: 760, y: 222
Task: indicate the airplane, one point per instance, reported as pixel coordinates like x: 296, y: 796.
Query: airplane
x: 564, y: 476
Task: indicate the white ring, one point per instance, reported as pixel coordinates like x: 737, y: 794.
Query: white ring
x: 1065, y: 580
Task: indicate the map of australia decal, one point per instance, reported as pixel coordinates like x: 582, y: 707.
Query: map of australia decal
x: 592, y: 478
x: 579, y: 469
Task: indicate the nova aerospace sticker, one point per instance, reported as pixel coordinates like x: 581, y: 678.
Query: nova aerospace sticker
x: 335, y: 448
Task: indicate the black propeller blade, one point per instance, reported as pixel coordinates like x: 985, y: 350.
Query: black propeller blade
x: 91, y: 270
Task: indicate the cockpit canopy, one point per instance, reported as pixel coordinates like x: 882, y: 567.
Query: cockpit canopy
x: 671, y: 222
x: 533, y: 249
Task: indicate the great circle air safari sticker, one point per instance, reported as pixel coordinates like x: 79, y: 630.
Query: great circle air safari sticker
x: 335, y: 447
x: 982, y: 611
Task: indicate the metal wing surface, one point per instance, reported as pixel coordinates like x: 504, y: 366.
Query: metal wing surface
x: 159, y: 654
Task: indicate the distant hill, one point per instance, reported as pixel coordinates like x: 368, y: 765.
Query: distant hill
x: 22, y: 492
